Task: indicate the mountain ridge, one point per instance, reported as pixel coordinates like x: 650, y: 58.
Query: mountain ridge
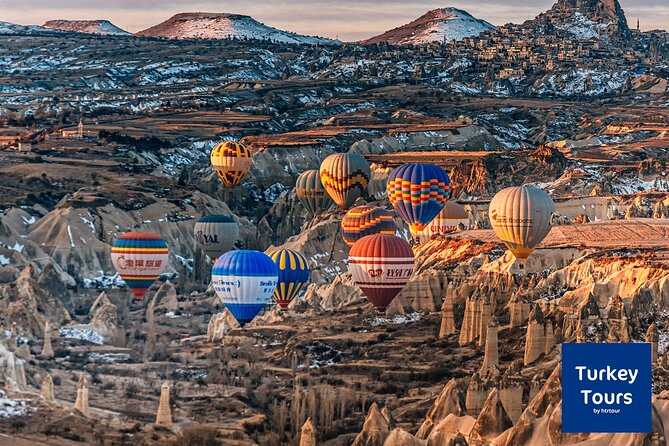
x: 103, y: 27
x: 437, y: 25
x: 212, y: 26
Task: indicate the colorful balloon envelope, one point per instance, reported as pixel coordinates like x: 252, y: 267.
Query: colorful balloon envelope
x: 245, y: 280
x: 216, y: 234
x: 521, y: 217
x: 451, y: 216
x: 293, y: 275
x: 311, y: 193
x: 231, y: 161
x: 381, y: 265
x: 345, y: 177
x: 418, y: 192
x: 366, y: 220
x: 140, y: 258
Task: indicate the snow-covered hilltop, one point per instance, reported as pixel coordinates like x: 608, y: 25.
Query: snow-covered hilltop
x: 202, y: 25
x: 104, y: 27
x: 13, y: 28
x: 438, y: 25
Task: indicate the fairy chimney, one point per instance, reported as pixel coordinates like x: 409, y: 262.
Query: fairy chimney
x: 539, y: 338
x: 519, y: 310
x: 447, y: 314
x: 492, y: 421
x: 375, y: 429
x: 477, y: 391
x: 491, y: 357
x: 47, y: 349
x: 535, y: 387
x: 618, y: 321
x: 308, y: 434
x: 47, y: 389
x: 486, y: 314
x: 13, y: 335
x: 164, y: 414
x: 653, y: 337
x: 511, y: 392
x: 468, y: 321
x: 81, y: 403
x: 388, y: 416
x: 451, y: 401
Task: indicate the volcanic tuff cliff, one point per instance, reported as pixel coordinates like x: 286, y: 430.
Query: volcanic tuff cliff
x: 587, y: 18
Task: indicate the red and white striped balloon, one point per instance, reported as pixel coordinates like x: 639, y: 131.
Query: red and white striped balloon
x: 381, y: 265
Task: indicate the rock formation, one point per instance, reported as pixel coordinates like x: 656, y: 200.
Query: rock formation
x: 375, y: 430
x: 13, y: 335
x: 447, y: 327
x: 12, y: 370
x: 400, y: 437
x: 104, y: 317
x: 469, y: 321
x: 47, y: 388
x: 451, y: 400
x: 543, y: 404
x: 519, y: 311
x: 606, y: 13
x: 308, y: 434
x: 166, y: 297
x: 491, y: 355
x: 587, y: 315
x: 486, y: 314
x: 511, y: 392
x: 25, y: 303
x: 388, y: 416
x: 81, y: 403
x: 492, y: 421
x: 539, y: 339
x: 478, y: 311
x: 47, y: 349
x: 478, y: 390
x: 653, y: 337
x: 220, y: 324
x: 618, y: 321
x: 164, y: 414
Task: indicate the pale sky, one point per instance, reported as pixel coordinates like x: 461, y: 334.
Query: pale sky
x: 346, y: 19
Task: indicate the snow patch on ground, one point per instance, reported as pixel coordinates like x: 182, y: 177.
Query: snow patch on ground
x: 397, y: 320
x: 10, y: 408
x: 582, y: 27
x: 104, y: 281
x: 82, y: 334
x: 108, y: 358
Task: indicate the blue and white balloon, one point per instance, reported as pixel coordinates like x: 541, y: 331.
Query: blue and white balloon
x: 245, y: 280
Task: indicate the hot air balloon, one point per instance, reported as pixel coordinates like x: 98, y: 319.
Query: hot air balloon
x: 418, y: 192
x: 450, y: 217
x: 345, y: 177
x: 366, y: 220
x: 244, y: 280
x: 231, y: 161
x: 216, y: 234
x: 311, y: 193
x: 139, y: 258
x: 381, y: 265
x: 521, y: 218
x: 293, y: 274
